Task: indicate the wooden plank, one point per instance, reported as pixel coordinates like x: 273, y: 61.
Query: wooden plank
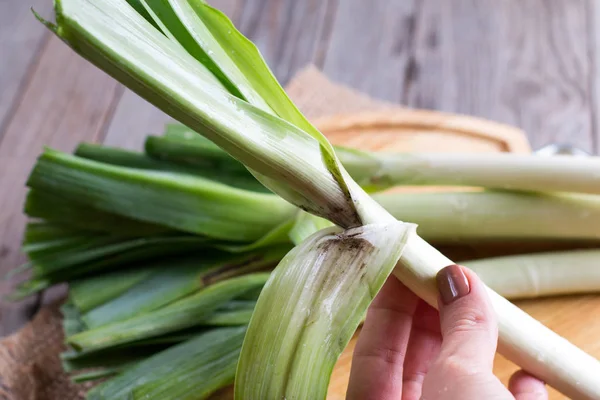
x: 593, y: 25
x: 135, y: 118
x: 66, y: 101
x: 231, y: 8
x: 21, y: 36
x: 370, y: 47
x: 524, y: 63
x: 290, y: 34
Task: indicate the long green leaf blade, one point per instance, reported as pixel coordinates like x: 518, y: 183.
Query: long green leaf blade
x: 175, y: 279
x: 72, y: 322
x: 94, y: 291
x: 195, y: 368
x: 178, y: 201
x: 55, y: 208
x: 182, y: 314
x: 222, y: 172
x: 108, y: 252
x: 310, y: 308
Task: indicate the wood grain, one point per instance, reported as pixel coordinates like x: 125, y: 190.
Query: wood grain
x: 525, y: 63
x: 133, y: 120
x: 370, y: 47
x: 593, y: 26
x: 289, y: 33
x: 21, y: 36
x: 405, y: 130
x: 67, y: 101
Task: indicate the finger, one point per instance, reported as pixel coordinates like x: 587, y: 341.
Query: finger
x: 423, y: 348
x: 468, y: 321
x: 526, y: 387
x: 378, y: 359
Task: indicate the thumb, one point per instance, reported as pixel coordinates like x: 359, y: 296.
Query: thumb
x: 467, y: 319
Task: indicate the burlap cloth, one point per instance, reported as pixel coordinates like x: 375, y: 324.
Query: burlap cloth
x: 29, y: 364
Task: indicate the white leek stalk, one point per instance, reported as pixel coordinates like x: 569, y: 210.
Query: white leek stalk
x: 497, y: 215
x: 293, y: 160
x: 542, y: 274
x: 380, y: 170
x: 497, y: 170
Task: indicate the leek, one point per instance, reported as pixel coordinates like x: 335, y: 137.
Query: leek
x: 514, y: 277
x: 104, y: 253
x: 177, y: 279
x: 94, y: 375
x: 72, y: 322
x: 121, y: 358
x: 57, y: 209
x: 497, y: 215
x: 203, y: 206
x: 222, y: 172
x: 192, y: 153
x: 381, y: 170
x: 193, y: 369
x: 497, y: 170
x: 184, y: 313
x: 543, y: 274
x: 232, y: 313
x: 294, y: 160
x: 94, y: 291
x: 442, y: 217
x: 321, y: 273
x: 114, y: 359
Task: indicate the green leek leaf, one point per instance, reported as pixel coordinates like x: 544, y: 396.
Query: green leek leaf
x: 91, y: 292
x: 191, y: 370
x: 175, y: 279
x: 238, y: 176
x: 72, y: 322
x: 311, y: 307
x: 178, y: 201
x: 57, y: 209
x: 181, y: 314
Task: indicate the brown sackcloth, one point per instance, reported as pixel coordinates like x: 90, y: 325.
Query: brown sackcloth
x: 29, y: 365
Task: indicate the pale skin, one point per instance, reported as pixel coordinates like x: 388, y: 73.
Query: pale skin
x: 408, y: 351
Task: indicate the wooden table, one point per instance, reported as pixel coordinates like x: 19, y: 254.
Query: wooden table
x: 532, y: 64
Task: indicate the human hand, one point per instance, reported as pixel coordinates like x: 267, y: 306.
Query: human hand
x: 407, y: 350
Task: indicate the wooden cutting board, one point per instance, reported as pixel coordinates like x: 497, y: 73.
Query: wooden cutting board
x: 575, y: 317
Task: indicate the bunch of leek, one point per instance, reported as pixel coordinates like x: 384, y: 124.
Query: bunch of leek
x: 188, y: 59
x: 140, y: 323
x: 143, y: 294
x: 85, y: 231
x: 196, y: 361
x: 78, y: 236
x: 187, y: 348
x: 151, y: 323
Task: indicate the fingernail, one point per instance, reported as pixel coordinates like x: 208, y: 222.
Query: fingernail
x: 452, y: 283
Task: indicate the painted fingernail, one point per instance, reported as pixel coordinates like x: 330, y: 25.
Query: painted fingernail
x: 452, y: 283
